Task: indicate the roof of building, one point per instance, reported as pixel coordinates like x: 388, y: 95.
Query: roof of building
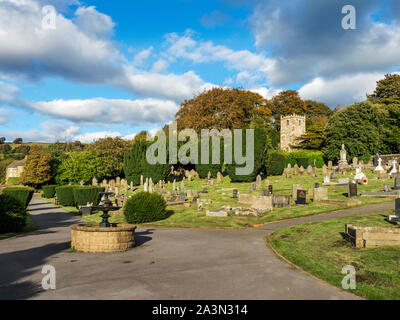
x: 16, y: 164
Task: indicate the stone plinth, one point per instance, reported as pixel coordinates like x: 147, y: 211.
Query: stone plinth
x: 320, y: 194
x: 372, y: 237
x: 91, y: 238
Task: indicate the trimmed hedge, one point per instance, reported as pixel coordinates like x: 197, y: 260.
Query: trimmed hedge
x: 365, y: 158
x: 85, y: 195
x: 12, y: 214
x: 260, y: 153
x: 65, y: 195
x: 304, y: 158
x: 275, y: 163
x: 22, y: 194
x: 145, y: 207
x: 49, y: 191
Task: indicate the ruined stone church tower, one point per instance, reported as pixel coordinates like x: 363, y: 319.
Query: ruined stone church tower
x: 292, y: 127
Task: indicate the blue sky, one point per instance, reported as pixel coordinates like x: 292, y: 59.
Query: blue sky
x: 114, y: 68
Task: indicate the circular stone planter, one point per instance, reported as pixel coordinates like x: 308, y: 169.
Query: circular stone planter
x: 91, y: 238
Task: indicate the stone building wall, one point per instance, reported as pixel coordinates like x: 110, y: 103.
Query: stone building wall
x: 292, y: 127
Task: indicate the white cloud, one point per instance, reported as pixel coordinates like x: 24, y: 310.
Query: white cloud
x: 102, y: 111
x: 169, y: 86
x: 160, y: 66
x: 142, y: 56
x: 49, y: 132
x: 205, y: 52
x: 90, y: 137
x: 266, y: 93
x: 343, y: 90
x: 4, y: 116
x: 92, y: 22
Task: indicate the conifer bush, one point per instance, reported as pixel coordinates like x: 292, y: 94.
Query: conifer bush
x: 145, y: 207
x: 260, y: 153
x: 136, y: 165
x: 12, y: 214
x: 275, y: 163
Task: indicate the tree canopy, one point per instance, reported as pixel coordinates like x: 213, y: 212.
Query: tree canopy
x: 221, y: 108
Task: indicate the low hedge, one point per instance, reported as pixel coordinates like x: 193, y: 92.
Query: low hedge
x: 145, y: 207
x: 85, y: 195
x: 305, y: 158
x: 49, y: 191
x: 12, y: 214
x: 65, y: 195
x: 22, y: 194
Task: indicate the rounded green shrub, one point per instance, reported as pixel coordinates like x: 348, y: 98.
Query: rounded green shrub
x: 12, y: 214
x: 85, y: 195
x: 145, y: 207
x: 65, y: 195
x: 49, y: 191
x: 275, y: 163
x: 22, y: 194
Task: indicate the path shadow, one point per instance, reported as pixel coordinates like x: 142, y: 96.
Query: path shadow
x: 142, y: 237
x: 17, y: 265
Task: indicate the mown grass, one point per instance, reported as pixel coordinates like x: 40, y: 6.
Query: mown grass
x: 320, y: 249
x: 221, y: 194
x: 29, y: 227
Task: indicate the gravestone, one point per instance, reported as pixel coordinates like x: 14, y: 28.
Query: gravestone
x: 301, y: 170
x: 182, y: 186
x: 209, y: 175
x: 94, y: 182
x: 281, y: 201
x: 310, y: 170
x: 174, y: 185
x: 141, y: 181
x: 289, y: 169
x: 397, y: 184
x: 344, y: 180
x: 181, y: 196
x: 397, y: 207
x: 271, y: 189
x: 324, y: 170
x: 81, y: 183
x: 216, y: 213
x: 327, y: 179
x: 333, y: 175
x: 219, y: 177
x: 301, y: 197
x: 253, y: 187
x: 265, y: 193
x: 355, y: 162
x: 296, y: 170
x: 118, y: 181
x: 320, y: 194
x: 235, y: 194
x: 258, y: 181
x: 316, y: 185
x: 262, y: 203
x: 330, y: 165
x: 352, y: 192
x: 295, y: 188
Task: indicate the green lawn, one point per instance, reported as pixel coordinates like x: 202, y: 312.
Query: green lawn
x: 29, y: 227
x: 320, y: 249
x: 221, y: 194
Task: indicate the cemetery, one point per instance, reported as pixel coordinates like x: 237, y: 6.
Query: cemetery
x: 319, y: 209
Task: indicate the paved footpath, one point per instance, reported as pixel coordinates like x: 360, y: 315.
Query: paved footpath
x: 166, y: 264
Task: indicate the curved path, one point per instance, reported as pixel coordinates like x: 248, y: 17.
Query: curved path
x: 166, y: 264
